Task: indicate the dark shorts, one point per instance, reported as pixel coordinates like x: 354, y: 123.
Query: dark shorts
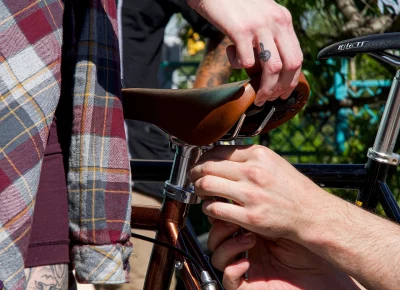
x: 49, y: 242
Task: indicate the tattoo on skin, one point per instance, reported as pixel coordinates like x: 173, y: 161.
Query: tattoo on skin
x: 52, y: 277
x: 265, y: 54
x: 215, y: 68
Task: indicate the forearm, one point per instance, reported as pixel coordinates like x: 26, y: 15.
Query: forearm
x: 215, y: 69
x: 362, y: 244
x: 47, y: 277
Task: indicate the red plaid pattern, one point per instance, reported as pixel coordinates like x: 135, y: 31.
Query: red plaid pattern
x: 98, y: 176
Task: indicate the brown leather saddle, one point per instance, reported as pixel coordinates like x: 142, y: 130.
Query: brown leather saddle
x: 203, y: 116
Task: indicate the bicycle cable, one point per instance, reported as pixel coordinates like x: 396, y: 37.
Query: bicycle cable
x: 159, y: 243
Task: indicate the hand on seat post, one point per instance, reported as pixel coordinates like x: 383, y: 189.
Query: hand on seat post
x: 263, y: 39
x: 291, y: 214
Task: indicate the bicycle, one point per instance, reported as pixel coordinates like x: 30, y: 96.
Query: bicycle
x: 226, y: 113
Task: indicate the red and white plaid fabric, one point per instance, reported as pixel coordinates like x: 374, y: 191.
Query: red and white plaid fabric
x: 31, y: 36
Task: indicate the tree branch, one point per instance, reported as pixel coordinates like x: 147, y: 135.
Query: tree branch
x: 349, y: 10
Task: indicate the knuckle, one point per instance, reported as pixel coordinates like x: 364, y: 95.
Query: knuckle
x: 250, y: 194
x: 264, y: 94
x: 283, y: 16
x: 215, y: 211
x: 206, y: 183
x: 248, y: 62
x: 259, y: 152
x: 257, y: 177
x: 275, y: 67
x: 242, y: 30
x: 254, y: 218
x: 296, y: 63
x: 207, y: 168
x: 254, y: 173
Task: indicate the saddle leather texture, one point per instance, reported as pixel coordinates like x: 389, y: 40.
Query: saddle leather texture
x: 203, y: 116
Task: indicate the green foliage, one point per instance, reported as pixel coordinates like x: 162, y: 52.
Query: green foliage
x: 310, y: 138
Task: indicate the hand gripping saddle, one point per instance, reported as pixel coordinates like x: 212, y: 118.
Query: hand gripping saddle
x: 206, y: 115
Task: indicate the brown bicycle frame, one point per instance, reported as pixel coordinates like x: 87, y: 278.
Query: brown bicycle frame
x: 169, y: 222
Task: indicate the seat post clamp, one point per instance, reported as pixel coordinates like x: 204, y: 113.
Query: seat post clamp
x: 184, y: 195
x: 390, y: 159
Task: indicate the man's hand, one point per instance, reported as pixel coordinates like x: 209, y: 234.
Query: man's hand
x: 280, y: 264
x: 263, y: 36
x: 271, y: 197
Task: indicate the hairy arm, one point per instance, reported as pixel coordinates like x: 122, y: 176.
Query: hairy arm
x: 54, y: 277
x: 215, y: 68
x: 362, y: 244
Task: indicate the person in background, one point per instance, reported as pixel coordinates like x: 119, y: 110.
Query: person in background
x: 143, y: 28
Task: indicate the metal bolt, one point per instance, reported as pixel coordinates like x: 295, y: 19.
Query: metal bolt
x: 178, y: 265
x: 183, y: 196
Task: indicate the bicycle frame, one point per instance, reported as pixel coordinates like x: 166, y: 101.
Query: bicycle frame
x: 169, y: 221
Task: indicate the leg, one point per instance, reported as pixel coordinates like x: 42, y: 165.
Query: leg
x: 54, y: 277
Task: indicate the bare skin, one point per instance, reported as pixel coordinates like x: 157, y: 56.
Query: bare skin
x: 51, y: 277
x: 250, y: 23
x: 280, y: 264
x: 215, y: 69
x: 275, y: 201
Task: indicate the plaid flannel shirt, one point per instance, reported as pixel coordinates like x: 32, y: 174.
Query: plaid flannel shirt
x: 33, y: 44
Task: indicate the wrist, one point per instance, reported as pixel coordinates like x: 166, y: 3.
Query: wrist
x: 325, y: 214
x: 360, y: 243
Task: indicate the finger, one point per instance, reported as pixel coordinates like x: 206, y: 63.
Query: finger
x: 286, y: 80
x: 232, y: 153
x: 256, y: 69
x: 292, y: 86
x: 272, y: 67
x: 241, y: 54
x: 211, y: 220
x: 221, y: 168
x: 233, y: 274
x: 227, y: 252
x: 292, y: 59
x: 210, y: 186
x: 219, y: 232
x: 224, y: 211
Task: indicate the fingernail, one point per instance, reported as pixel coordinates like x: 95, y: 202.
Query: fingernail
x: 259, y: 103
x: 245, y: 239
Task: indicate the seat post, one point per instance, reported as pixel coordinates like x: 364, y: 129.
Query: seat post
x: 388, y: 131
x: 179, y: 195
x: 179, y: 187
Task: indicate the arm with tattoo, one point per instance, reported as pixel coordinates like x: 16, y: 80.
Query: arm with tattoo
x: 54, y: 277
x: 215, y: 68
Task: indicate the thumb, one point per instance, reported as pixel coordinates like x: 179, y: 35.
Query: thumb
x: 233, y: 274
